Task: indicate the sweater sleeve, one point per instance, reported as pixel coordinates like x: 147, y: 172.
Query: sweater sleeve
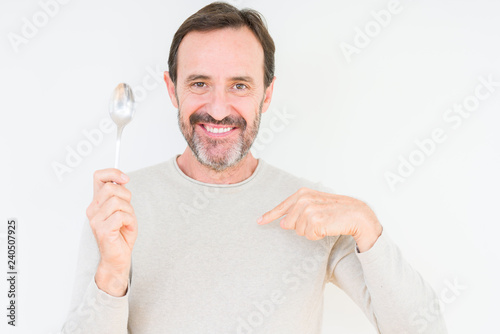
x: 91, y: 309
x: 390, y: 292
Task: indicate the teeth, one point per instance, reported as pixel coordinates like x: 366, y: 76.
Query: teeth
x: 216, y: 130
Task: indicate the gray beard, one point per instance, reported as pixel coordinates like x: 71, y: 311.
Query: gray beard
x: 201, y: 147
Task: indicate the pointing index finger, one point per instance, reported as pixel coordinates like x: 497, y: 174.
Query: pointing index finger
x: 278, y: 211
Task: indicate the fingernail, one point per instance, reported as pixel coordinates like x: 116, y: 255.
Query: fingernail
x: 259, y: 220
x: 124, y: 177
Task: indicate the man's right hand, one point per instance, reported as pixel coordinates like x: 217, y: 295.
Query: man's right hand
x: 114, y: 225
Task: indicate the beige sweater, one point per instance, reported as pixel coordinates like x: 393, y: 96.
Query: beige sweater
x: 201, y: 264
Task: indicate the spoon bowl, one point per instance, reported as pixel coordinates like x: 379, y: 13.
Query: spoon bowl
x: 121, y: 110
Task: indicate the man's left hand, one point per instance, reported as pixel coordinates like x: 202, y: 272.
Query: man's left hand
x: 316, y: 214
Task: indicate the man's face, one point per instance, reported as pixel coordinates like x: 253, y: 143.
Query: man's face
x: 220, y: 88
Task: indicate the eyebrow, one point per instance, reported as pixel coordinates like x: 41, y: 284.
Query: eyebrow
x: 243, y: 78
x: 194, y: 77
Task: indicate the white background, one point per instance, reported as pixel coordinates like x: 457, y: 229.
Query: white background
x: 352, y: 122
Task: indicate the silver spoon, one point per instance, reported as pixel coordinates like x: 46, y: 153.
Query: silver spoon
x: 121, y: 110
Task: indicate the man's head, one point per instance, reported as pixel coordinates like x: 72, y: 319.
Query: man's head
x: 221, y: 73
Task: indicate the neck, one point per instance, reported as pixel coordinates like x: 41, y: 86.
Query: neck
x: 190, y: 166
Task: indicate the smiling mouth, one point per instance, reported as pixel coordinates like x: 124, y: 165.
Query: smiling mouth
x: 217, y: 130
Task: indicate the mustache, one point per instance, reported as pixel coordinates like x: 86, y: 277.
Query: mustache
x: 229, y: 120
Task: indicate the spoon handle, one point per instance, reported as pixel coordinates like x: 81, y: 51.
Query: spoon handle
x: 119, y: 131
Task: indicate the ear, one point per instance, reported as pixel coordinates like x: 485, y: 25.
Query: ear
x: 171, y: 89
x: 268, y: 95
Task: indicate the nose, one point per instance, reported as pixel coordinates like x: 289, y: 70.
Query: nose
x: 218, y: 106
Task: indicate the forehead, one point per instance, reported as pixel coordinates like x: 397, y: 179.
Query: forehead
x: 221, y: 52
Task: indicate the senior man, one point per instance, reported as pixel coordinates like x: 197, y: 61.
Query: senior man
x: 214, y: 240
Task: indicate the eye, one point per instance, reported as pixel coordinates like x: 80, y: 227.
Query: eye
x: 240, y: 86
x: 199, y: 84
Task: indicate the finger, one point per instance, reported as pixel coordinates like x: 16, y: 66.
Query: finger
x: 312, y: 235
x: 113, y: 225
x: 279, y: 210
x: 315, y: 228
x: 301, y: 223
x: 293, y: 218
x: 111, y: 206
x: 120, y: 219
x: 108, y: 175
x: 107, y: 191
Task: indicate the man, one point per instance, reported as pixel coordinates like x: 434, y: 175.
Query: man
x: 217, y: 241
